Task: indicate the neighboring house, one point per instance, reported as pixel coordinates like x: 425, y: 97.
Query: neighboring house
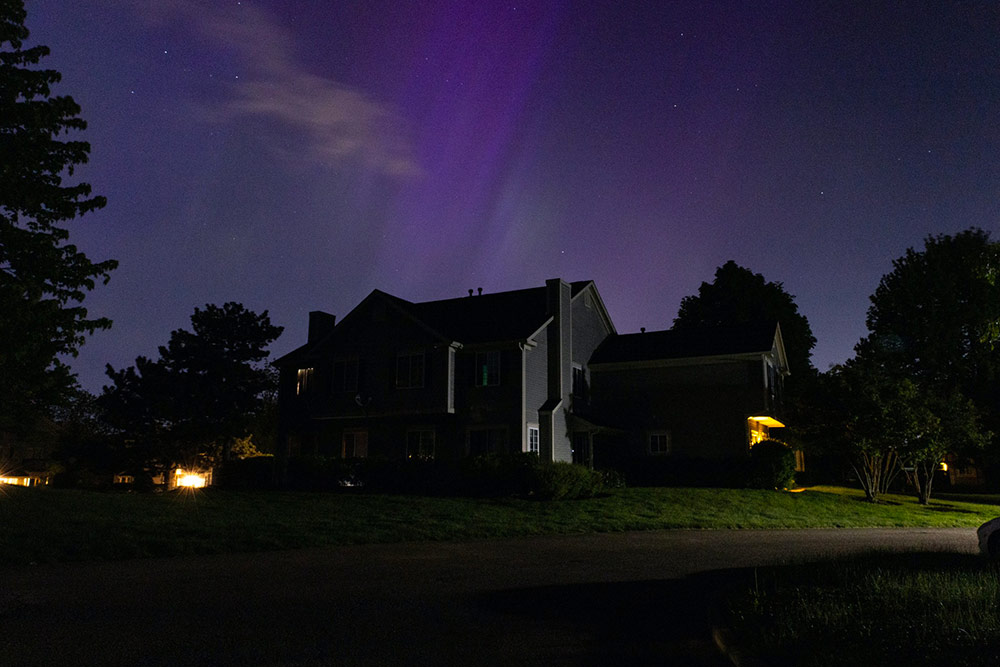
x: 536, y: 370
x: 444, y: 379
x: 696, y: 393
x: 27, y: 460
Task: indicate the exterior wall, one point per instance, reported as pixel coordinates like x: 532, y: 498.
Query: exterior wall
x: 589, y: 331
x: 536, y: 378
x: 703, y: 406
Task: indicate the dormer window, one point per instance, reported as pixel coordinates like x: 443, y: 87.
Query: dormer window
x: 487, y: 368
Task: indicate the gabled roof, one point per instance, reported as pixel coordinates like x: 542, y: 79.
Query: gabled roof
x: 469, y: 320
x: 690, y: 344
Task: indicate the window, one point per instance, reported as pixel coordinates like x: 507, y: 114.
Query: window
x: 355, y: 445
x: 533, y: 439
x: 487, y: 368
x: 487, y: 441
x: 410, y: 370
x: 345, y: 375
x: 420, y: 444
x: 303, y: 381
x: 659, y: 443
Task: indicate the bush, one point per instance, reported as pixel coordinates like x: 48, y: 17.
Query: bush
x: 256, y: 472
x: 564, y: 481
x: 772, y: 466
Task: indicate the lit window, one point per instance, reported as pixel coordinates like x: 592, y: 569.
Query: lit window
x: 303, y: 381
x: 355, y: 445
x: 533, y: 439
x: 420, y: 444
x: 488, y: 368
x: 345, y: 375
x: 410, y: 370
x: 659, y: 443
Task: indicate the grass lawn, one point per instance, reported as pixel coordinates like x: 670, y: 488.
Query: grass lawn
x: 916, y: 609
x: 51, y: 525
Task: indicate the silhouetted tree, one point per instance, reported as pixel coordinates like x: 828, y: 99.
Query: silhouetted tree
x: 206, y: 390
x: 43, y: 278
x: 937, y: 317
x: 740, y: 296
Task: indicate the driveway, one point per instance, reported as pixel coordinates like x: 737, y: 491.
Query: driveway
x: 625, y: 598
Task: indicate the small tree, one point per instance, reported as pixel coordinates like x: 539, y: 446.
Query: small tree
x: 874, y: 421
x: 201, y: 396
x: 946, y: 425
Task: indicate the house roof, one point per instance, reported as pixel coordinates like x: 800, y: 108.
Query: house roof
x: 501, y: 316
x: 482, y: 318
x: 687, y: 343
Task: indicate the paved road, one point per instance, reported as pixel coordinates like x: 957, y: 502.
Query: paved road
x: 628, y: 598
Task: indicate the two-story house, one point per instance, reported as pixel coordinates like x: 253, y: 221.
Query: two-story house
x: 536, y: 370
x: 444, y: 379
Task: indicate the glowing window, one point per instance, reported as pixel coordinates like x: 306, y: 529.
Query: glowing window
x: 488, y: 368
x: 303, y: 381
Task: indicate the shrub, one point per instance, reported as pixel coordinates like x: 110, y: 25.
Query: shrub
x: 564, y: 481
x: 772, y: 465
x: 496, y: 475
x: 255, y: 472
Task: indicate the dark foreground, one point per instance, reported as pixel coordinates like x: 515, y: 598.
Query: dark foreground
x: 626, y: 598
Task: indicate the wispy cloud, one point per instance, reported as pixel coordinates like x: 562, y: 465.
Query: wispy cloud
x: 338, y: 124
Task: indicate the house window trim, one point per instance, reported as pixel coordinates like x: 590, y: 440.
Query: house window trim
x: 421, y: 454
x: 659, y: 451
x: 354, y: 432
x: 533, y: 429
x: 410, y: 382
x: 488, y: 379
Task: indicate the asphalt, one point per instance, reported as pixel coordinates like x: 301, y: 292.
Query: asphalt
x: 623, y: 599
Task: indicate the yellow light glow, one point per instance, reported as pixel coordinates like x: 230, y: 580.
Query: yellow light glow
x: 191, y: 480
x: 770, y: 422
x: 944, y: 466
x: 16, y: 481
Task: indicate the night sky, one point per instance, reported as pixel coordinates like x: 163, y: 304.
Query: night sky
x: 295, y: 155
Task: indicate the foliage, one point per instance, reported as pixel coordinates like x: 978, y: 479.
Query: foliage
x: 43, y: 278
x: 772, y: 466
x: 880, y: 609
x: 740, y: 296
x: 936, y: 319
x: 565, y: 481
x: 485, y: 476
x: 204, y: 392
x: 869, y: 418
